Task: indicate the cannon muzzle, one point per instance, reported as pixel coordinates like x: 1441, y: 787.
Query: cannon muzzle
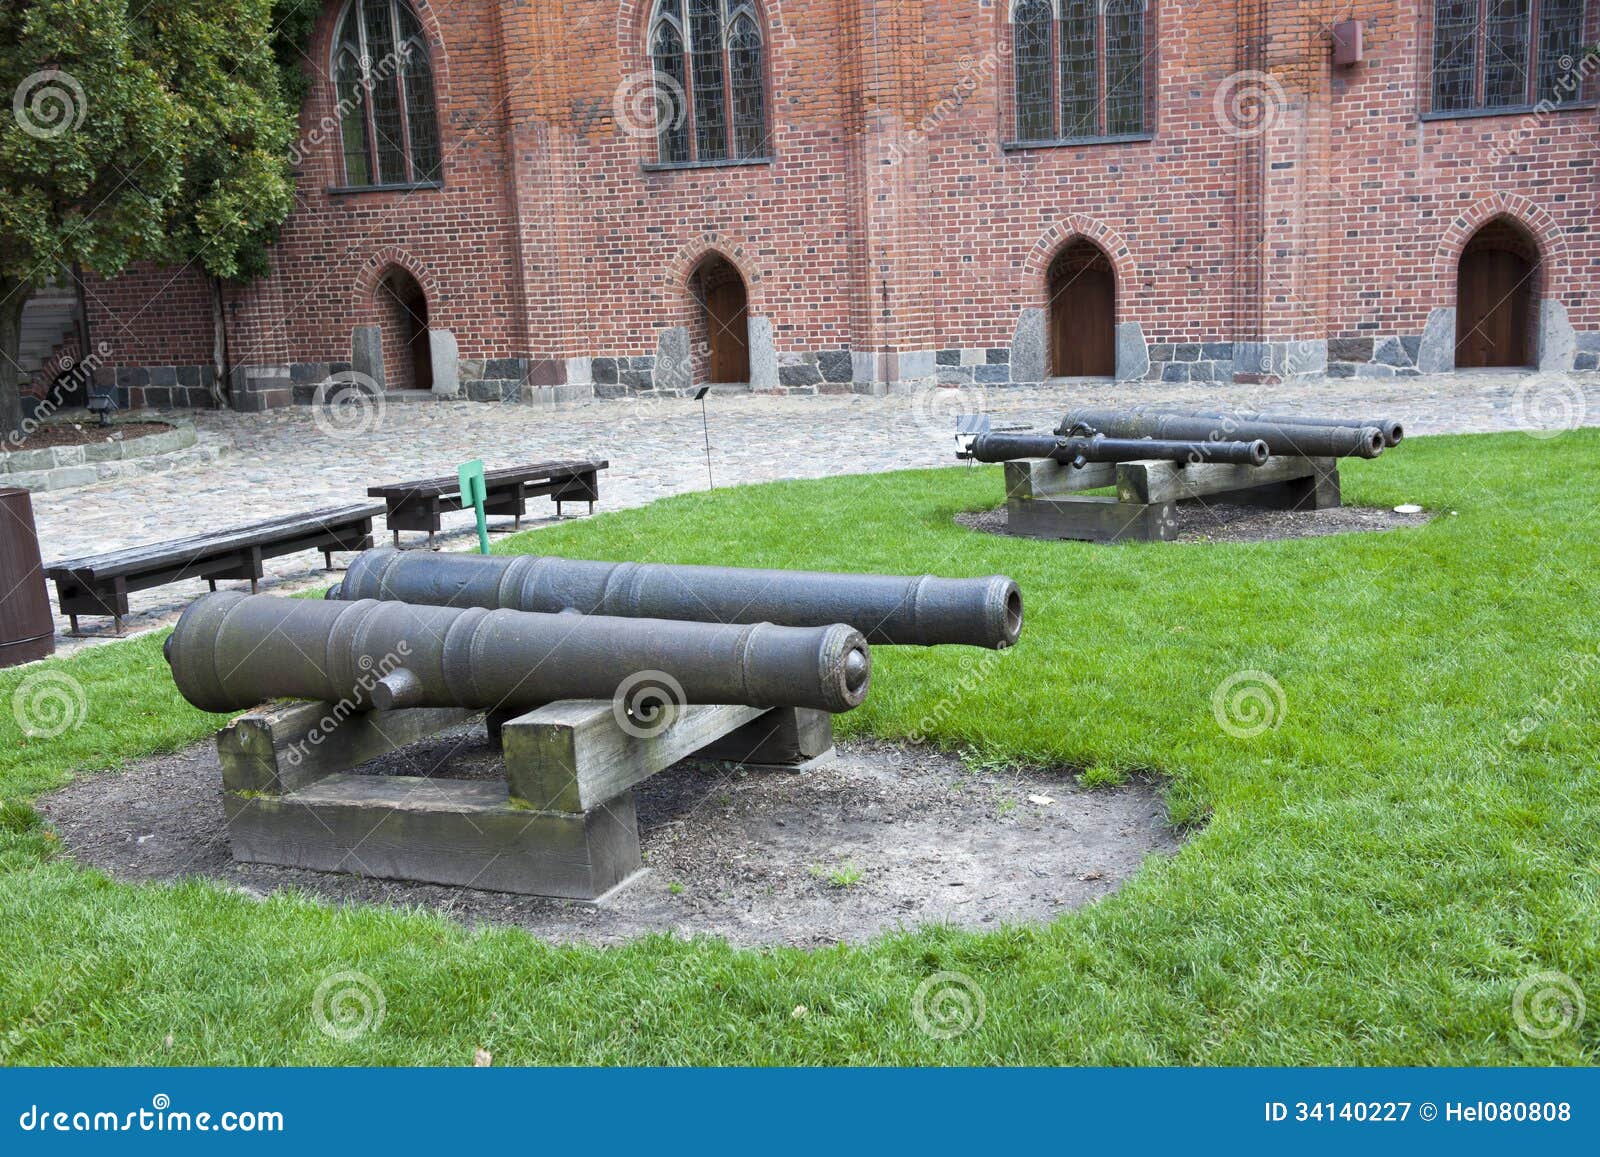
x: 1282, y: 437
x: 231, y: 651
x: 1079, y: 449
x: 917, y: 611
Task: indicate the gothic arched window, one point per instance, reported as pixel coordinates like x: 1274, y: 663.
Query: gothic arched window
x: 388, y: 123
x: 710, y: 83
x: 1079, y: 68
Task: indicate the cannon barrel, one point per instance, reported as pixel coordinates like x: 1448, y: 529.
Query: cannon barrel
x: 919, y: 611
x: 1393, y: 429
x: 1281, y: 437
x: 1080, y: 449
x: 231, y: 651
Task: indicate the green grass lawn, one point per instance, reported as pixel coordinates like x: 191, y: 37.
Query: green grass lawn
x: 1368, y: 881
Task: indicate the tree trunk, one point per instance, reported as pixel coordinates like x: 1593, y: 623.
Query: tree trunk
x: 13, y: 296
x: 219, y: 346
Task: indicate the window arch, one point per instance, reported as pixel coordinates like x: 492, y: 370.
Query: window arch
x: 388, y: 123
x: 1079, y: 68
x: 708, y: 58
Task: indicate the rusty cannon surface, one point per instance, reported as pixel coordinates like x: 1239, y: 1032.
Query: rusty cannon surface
x: 920, y: 611
x: 1283, y: 438
x: 231, y: 651
x: 1081, y: 449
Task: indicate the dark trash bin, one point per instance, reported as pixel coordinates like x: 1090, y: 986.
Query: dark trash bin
x: 27, y: 628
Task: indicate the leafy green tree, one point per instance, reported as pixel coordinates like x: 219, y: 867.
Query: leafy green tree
x: 141, y: 131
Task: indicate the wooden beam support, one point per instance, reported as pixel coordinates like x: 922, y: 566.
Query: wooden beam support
x: 282, y: 747
x: 467, y: 833
x: 575, y: 755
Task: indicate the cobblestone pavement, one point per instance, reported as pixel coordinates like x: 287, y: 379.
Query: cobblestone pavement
x: 293, y: 460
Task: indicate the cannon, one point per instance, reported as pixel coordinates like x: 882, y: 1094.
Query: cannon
x: 1080, y: 449
x: 916, y: 611
x: 1393, y: 430
x: 1282, y: 437
x: 231, y: 651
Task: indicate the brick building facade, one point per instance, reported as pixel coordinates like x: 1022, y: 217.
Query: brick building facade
x: 595, y: 197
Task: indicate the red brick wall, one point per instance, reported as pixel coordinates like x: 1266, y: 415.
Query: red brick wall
x: 890, y: 217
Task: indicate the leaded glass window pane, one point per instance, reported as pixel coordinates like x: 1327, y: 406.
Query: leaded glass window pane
x: 383, y: 85
x: 1080, y: 68
x: 671, y: 99
x: 745, y: 80
x: 1455, y: 54
x: 1031, y: 30
x: 1561, y: 50
x: 705, y: 65
x: 1505, y: 57
x: 1125, y: 63
x: 352, y: 116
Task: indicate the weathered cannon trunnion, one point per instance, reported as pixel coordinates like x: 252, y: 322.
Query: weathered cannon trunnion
x: 1080, y: 450
x: 231, y: 651
x: 1283, y: 438
x: 919, y: 611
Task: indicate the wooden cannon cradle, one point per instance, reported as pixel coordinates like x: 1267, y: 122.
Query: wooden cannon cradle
x: 1043, y: 499
x: 562, y: 823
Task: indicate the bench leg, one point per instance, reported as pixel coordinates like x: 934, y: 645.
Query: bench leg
x: 591, y: 506
x: 73, y: 619
x: 431, y: 544
x: 397, y: 538
x: 212, y: 582
x: 327, y: 560
x: 254, y: 588
x: 116, y: 622
x: 558, y: 508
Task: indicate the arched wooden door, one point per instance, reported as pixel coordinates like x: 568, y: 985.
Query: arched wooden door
x: 407, y: 354
x: 1083, y: 313
x: 721, y: 292
x: 1495, y: 298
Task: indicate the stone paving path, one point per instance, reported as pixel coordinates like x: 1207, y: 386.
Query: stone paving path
x: 293, y: 460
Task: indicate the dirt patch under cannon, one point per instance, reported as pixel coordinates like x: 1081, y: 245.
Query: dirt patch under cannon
x: 877, y: 838
x: 1226, y: 522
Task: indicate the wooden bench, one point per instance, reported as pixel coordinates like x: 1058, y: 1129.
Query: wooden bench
x: 99, y: 584
x: 417, y: 505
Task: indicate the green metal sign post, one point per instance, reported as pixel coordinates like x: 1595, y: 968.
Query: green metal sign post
x: 472, y: 493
